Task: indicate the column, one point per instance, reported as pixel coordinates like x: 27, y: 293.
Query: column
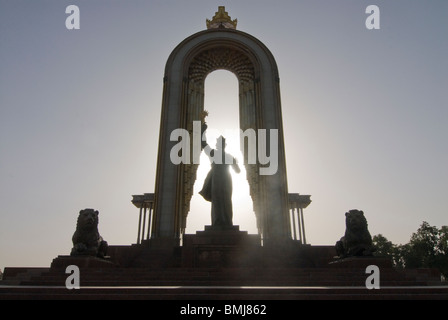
x: 297, y: 203
x: 145, y: 204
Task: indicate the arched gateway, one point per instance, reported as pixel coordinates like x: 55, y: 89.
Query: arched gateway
x: 221, y: 46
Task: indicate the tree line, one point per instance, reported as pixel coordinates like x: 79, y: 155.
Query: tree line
x: 427, y: 248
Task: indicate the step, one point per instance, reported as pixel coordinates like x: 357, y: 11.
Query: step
x: 216, y: 277
x: 224, y: 293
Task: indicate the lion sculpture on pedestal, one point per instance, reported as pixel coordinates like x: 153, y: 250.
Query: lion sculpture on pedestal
x: 357, y: 240
x: 86, y: 239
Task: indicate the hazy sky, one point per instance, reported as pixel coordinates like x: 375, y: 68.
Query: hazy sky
x: 365, y: 114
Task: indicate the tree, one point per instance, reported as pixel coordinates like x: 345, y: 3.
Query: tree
x: 427, y: 248
x: 386, y: 248
x: 383, y: 246
x: 442, y: 251
x: 422, y: 247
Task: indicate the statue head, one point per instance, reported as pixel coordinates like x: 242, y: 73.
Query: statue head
x: 355, y: 220
x: 88, y: 218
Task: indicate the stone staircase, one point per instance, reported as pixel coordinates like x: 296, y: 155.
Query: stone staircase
x: 224, y: 293
x: 221, y: 284
x: 217, y: 266
x: 272, y: 277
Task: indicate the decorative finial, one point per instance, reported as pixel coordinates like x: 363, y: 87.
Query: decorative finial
x: 221, y: 20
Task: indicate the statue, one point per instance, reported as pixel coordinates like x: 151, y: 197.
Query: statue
x: 86, y: 239
x: 357, y: 240
x: 217, y: 186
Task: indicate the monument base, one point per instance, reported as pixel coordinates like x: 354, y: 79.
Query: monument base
x: 222, y: 228
x: 83, y: 262
x: 220, y: 247
x: 221, y: 264
x: 362, y: 262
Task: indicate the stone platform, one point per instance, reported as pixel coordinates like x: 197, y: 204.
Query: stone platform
x: 221, y: 247
x: 62, y: 262
x: 221, y: 264
x: 222, y: 284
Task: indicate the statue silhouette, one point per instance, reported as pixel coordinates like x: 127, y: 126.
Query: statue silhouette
x: 218, y: 184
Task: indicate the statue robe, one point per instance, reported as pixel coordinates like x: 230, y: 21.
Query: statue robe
x: 217, y: 189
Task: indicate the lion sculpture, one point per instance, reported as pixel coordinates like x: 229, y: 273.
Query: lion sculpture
x: 357, y: 240
x: 86, y: 239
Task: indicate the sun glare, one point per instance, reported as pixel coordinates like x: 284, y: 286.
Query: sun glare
x: 222, y: 103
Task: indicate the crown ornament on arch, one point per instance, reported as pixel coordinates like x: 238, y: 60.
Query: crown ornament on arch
x: 221, y: 20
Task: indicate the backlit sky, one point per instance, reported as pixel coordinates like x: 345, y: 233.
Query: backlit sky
x: 365, y: 114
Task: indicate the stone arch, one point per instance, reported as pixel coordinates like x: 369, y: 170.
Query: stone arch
x: 260, y: 108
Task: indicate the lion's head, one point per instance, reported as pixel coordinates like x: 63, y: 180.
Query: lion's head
x: 87, y: 219
x: 355, y: 220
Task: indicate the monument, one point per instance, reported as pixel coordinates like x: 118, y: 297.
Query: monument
x: 221, y: 46
x: 216, y: 263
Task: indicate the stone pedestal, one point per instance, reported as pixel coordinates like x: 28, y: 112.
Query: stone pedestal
x: 62, y: 262
x: 224, y: 247
x: 362, y: 262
